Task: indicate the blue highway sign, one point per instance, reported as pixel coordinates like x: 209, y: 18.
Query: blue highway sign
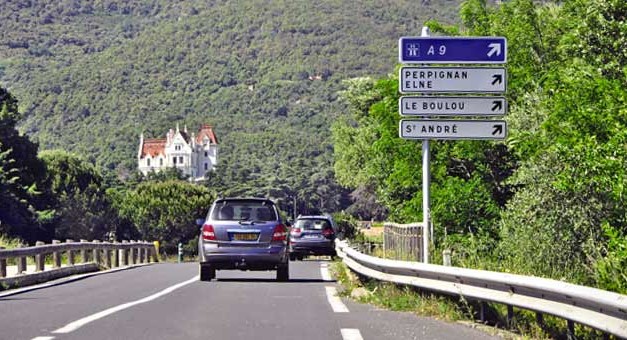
x: 452, y: 50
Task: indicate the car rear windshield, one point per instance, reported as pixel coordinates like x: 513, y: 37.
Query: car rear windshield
x: 243, y: 210
x: 312, y: 224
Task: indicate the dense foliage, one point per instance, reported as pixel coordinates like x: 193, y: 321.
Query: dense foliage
x: 550, y: 200
x: 24, y: 210
x: 165, y: 211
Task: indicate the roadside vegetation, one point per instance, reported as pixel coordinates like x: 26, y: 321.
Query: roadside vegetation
x: 550, y: 200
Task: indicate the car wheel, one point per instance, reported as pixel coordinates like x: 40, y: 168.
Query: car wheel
x: 292, y: 257
x: 207, y: 273
x: 283, y: 273
x: 300, y: 257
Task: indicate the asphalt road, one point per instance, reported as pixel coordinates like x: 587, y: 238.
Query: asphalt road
x: 166, y: 301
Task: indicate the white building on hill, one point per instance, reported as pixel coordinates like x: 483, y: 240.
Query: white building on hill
x: 193, y: 154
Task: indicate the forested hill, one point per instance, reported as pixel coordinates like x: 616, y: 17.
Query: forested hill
x: 90, y: 76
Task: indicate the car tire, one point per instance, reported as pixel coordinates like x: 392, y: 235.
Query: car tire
x: 283, y: 273
x: 292, y: 257
x: 300, y: 257
x: 207, y: 273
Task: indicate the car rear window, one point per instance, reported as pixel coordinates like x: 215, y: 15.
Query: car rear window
x: 242, y: 210
x: 312, y: 224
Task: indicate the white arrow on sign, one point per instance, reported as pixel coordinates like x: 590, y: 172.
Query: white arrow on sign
x: 494, y: 48
x: 452, y: 106
x: 453, y: 129
x: 452, y: 79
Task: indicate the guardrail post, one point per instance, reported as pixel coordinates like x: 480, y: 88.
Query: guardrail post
x: 3, y: 266
x: 124, y: 254
x: 147, y: 253
x: 96, y: 252
x: 107, y: 255
x: 570, y: 331
x: 510, y: 315
x: 138, y: 253
x: 446, y: 257
x: 540, y: 319
x: 131, y: 254
x: 56, y: 256
x: 141, y: 250
x: 21, y: 262
x: 39, y: 258
x: 116, y: 254
x: 84, y: 252
x: 70, y: 253
x: 482, y: 307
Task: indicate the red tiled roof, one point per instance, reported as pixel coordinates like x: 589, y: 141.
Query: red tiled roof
x: 206, y: 131
x: 153, y: 147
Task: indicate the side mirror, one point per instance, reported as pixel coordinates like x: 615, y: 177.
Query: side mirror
x: 200, y: 222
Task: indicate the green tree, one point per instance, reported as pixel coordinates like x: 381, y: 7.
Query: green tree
x: 83, y: 210
x: 24, y: 211
x: 165, y: 211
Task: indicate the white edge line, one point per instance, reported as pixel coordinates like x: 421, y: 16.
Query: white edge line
x: 351, y: 334
x: 324, y: 271
x: 72, y: 326
x: 336, y: 303
x: 43, y: 338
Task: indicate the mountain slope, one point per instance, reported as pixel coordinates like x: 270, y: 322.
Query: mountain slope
x: 92, y: 75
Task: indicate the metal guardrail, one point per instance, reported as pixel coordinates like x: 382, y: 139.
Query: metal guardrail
x: 599, y: 309
x: 93, y: 255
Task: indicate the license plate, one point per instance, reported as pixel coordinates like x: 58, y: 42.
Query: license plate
x: 311, y: 236
x: 245, y: 236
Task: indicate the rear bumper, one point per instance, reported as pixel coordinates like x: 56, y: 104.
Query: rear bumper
x: 243, y: 258
x: 313, y: 247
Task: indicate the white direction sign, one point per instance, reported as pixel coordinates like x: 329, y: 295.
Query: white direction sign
x: 452, y: 106
x: 453, y: 129
x: 452, y: 79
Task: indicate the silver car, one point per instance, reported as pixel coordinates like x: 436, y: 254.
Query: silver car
x: 243, y: 234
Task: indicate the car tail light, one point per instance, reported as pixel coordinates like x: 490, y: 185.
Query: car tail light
x: 280, y: 233
x: 328, y: 233
x: 295, y: 232
x: 207, y: 233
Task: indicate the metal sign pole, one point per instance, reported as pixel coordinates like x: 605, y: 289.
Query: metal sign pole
x: 426, y: 181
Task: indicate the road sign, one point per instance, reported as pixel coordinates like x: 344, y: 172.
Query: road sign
x: 453, y: 129
x: 452, y: 50
x: 452, y: 106
x: 452, y: 79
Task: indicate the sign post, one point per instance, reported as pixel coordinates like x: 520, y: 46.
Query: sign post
x: 426, y: 187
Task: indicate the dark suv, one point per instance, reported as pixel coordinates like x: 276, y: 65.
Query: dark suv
x: 312, y: 235
x: 243, y: 234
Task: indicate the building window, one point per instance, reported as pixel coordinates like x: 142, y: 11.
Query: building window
x: 206, y: 166
x: 161, y: 161
x: 174, y: 160
x: 148, y: 162
x: 181, y: 159
x: 177, y: 147
x: 206, y: 154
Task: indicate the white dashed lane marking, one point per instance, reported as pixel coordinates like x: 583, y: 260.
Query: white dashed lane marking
x: 351, y: 334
